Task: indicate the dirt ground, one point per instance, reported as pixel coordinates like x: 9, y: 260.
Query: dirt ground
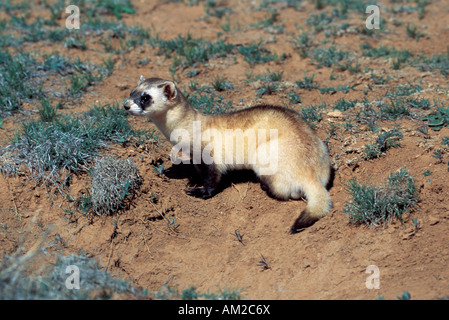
x: 326, y: 261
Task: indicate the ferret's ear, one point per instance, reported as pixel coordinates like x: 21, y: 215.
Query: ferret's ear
x: 141, y: 80
x: 169, y: 90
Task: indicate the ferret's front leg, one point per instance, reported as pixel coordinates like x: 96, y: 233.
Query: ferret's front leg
x: 211, y: 180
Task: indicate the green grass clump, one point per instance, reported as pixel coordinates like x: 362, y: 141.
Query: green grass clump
x: 47, y: 112
x: 221, y: 84
x: 189, y: 51
x: 311, y: 114
x: 398, y: 57
x: 307, y: 83
x: 16, y: 85
x: 384, y: 141
x: 19, y: 282
x: 435, y: 62
x: 334, y: 57
x: 413, y: 32
x: 329, y: 57
x: 343, y: 104
x: 209, y: 102
x: 254, y: 53
x: 117, y: 7
x: 396, y: 109
x: 53, y: 151
x: 438, y: 119
x: 192, y: 293
x: 379, y: 205
x: 113, y: 180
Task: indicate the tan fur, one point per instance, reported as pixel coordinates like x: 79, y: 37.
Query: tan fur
x: 303, y: 166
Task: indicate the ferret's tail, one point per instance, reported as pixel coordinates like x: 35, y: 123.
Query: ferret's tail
x: 319, y: 203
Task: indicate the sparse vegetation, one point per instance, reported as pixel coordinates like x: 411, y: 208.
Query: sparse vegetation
x: 64, y: 149
x: 188, y: 51
x: 51, y: 152
x: 18, y: 280
x: 384, y: 141
x: 379, y: 205
x: 438, y: 119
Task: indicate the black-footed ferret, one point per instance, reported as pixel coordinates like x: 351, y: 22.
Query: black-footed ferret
x: 276, y: 143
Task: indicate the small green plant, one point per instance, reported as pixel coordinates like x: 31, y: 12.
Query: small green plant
x: 220, y: 84
x: 47, y: 113
x: 413, y: 32
x: 398, y: 57
x: 263, y: 263
x: 445, y: 141
x: 108, y: 65
x: 379, y: 205
x: 329, y: 57
x: 405, y: 296
x: 117, y: 7
x: 271, y: 18
x: 188, y: 51
x: 437, y: 154
x: 192, y: 293
x: 421, y: 8
x: 396, y: 109
x: 255, y: 53
x: 311, y: 114
x: 343, y: 104
x: 210, y: 103
x: 238, y: 236
x: 435, y: 62
x: 415, y: 223
x: 307, y: 83
x: 438, y: 119
x: 293, y: 97
x: 268, y: 88
x: 159, y: 170
x: 303, y: 45
x: 384, y: 141
x: 16, y: 81
x: 345, y: 88
x: 81, y: 80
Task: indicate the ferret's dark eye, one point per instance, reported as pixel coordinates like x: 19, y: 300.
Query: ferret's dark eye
x: 145, y: 98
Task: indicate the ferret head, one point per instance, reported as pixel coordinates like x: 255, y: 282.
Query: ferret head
x: 151, y: 97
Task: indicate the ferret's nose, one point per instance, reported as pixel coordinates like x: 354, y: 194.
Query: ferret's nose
x: 127, y: 105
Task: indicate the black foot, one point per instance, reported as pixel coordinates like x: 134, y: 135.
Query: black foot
x: 199, y: 193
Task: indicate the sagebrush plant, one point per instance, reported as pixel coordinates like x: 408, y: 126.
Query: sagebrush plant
x: 379, y: 205
x: 113, y: 180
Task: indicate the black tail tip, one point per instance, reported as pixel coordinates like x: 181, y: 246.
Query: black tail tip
x: 302, y: 222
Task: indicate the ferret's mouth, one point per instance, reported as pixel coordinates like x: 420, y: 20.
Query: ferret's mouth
x: 133, y: 108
